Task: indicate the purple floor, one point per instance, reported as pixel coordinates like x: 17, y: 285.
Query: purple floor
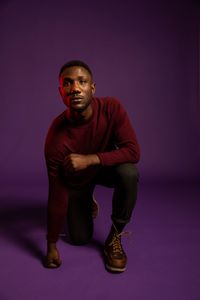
x: 163, y: 249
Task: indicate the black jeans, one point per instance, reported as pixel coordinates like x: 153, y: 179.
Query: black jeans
x: 124, y: 179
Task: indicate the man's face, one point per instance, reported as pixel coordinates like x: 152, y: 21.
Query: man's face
x: 76, y: 88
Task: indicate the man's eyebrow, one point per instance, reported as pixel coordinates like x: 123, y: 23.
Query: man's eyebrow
x: 71, y: 79
x: 67, y: 78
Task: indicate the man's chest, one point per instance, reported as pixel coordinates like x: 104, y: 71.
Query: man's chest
x: 91, y: 138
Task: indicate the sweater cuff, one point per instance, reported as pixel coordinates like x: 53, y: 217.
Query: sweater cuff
x: 100, y: 158
x: 51, y: 239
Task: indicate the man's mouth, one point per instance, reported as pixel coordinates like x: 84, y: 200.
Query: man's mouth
x: 76, y: 98
x: 76, y: 101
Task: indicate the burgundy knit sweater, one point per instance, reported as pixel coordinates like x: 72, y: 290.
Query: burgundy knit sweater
x: 108, y: 134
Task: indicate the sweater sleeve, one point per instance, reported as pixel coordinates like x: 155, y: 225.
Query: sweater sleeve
x: 57, y: 205
x: 58, y: 193
x: 126, y: 144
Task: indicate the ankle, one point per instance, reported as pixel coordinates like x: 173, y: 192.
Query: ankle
x: 117, y: 227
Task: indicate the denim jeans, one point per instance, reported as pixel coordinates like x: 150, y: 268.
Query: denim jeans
x: 123, y: 179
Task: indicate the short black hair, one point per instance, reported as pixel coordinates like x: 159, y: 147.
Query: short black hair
x: 75, y: 63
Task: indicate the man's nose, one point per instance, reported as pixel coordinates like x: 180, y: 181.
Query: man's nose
x: 75, y: 87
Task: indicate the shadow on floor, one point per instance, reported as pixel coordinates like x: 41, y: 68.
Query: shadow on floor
x: 20, y: 221
x: 19, y: 218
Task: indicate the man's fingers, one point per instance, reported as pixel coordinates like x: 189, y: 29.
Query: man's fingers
x: 52, y: 263
x: 72, y: 162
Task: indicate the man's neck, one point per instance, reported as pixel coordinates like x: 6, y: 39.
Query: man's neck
x: 80, y: 117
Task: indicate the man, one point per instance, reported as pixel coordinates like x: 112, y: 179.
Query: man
x: 92, y: 142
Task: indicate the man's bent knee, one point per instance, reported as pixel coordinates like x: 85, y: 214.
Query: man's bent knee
x: 127, y: 171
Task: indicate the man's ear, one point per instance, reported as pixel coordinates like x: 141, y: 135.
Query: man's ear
x: 93, y: 88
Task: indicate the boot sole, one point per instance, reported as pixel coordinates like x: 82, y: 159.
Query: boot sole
x: 111, y: 268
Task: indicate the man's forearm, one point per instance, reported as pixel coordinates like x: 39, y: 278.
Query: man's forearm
x: 121, y: 155
x: 93, y: 159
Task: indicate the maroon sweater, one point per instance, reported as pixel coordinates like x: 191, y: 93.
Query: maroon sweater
x: 108, y: 134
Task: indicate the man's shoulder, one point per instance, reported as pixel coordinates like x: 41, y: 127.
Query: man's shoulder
x: 57, y: 127
x: 108, y: 102
x: 55, y: 134
x: 58, y: 120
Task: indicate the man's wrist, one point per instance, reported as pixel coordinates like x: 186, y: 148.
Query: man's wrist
x: 93, y: 159
x: 51, y: 246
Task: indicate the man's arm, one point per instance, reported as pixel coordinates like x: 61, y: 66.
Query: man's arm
x: 56, y: 214
x: 58, y: 200
x: 127, y: 147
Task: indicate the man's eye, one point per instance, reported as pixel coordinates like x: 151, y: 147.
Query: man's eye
x: 82, y: 81
x: 66, y: 83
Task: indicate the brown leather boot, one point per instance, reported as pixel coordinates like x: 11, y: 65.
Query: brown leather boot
x: 115, y: 257
x: 95, y: 208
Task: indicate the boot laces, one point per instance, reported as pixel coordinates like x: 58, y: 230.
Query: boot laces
x: 116, y: 240
x: 116, y: 243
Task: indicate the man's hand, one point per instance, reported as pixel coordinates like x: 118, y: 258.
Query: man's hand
x: 77, y: 162
x: 52, y: 259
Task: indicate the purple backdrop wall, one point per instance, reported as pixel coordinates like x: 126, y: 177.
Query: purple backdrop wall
x: 145, y: 54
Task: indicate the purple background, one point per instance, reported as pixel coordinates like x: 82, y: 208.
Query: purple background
x: 146, y: 53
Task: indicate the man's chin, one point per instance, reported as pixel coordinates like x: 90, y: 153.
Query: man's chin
x: 78, y: 109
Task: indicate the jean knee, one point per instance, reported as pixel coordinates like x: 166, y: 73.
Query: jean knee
x: 128, y: 172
